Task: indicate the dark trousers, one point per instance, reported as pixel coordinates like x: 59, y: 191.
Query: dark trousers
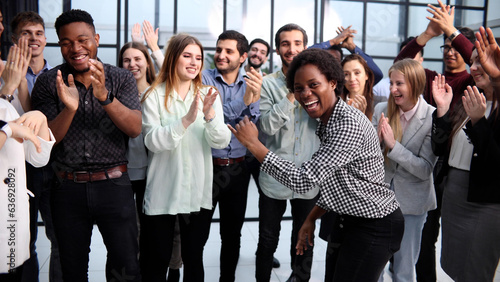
x: 363, y: 246
x: 110, y: 205
x: 426, y: 264
x: 270, y: 214
x: 15, y: 275
x: 39, y: 181
x: 157, y: 237
x: 230, y: 191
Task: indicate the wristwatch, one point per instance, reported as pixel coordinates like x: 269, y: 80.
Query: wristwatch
x: 4, y: 126
x: 7, y: 97
x: 454, y: 35
x: 108, y: 100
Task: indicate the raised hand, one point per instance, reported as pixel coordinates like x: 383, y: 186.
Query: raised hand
x: 387, y: 134
x: 442, y: 94
x: 191, y: 115
x: 15, y: 68
x: 474, y: 104
x: 488, y: 52
x: 208, y: 102
x: 443, y: 17
x: 433, y: 30
x: 98, y: 80
x: 68, y: 94
x: 254, y: 84
x: 359, y: 102
x: 151, y: 35
x: 347, y: 36
x: 136, y: 33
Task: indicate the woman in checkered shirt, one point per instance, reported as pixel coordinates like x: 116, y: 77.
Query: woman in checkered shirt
x: 348, y: 168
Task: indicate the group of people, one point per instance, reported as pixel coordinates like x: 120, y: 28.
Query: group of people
x: 147, y: 156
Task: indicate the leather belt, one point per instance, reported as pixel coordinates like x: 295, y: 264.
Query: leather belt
x: 89, y: 176
x: 227, y: 161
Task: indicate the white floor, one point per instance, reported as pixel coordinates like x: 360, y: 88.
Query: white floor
x: 246, y: 263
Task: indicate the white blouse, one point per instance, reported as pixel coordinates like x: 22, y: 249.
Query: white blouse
x: 180, y: 169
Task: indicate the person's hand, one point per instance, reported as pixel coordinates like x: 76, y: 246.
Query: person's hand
x: 151, y: 35
x: 359, y: 102
x: 208, y: 102
x: 136, y: 33
x: 16, y: 67
x: 34, y: 120
x: 305, y: 237
x: 254, y: 84
x: 246, y: 132
x: 474, y: 104
x: 442, y: 94
x: 347, y: 35
x: 381, y: 121
x: 342, y: 35
x: 21, y: 133
x: 488, y: 52
x: 98, y: 80
x: 442, y: 17
x: 68, y: 94
x: 191, y: 115
x: 387, y: 134
x: 433, y: 29
x: 291, y: 97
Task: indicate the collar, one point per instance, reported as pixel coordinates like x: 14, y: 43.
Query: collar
x: 45, y: 68
x: 239, y: 78
x: 409, y: 114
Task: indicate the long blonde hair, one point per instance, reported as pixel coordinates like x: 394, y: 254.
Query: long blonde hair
x: 168, y: 72
x: 414, y: 75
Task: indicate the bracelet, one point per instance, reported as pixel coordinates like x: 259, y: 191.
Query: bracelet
x: 454, y: 35
x: 209, y: 120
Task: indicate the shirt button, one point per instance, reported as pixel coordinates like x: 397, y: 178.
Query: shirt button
x: 297, y: 122
x: 87, y: 155
x: 341, y: 225
x: 86, y: 102
x: 6, y: 180
x: 296, y: 154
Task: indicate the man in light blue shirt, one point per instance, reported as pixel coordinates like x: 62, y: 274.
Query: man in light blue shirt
x: 240, y: 97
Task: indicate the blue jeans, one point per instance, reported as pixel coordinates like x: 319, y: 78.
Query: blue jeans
x: 39, y: 181
x: 363, y: 246
x: 270, y: 214
x: 109, y: 204
x: 230, y: 191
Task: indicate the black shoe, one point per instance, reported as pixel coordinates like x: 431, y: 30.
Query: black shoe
x: 276, y: 263
x: 291, y: 278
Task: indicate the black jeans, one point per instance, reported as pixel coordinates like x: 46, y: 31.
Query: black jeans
x: 364, y: 246
x: 270, y: 214
x: 109, y: 204
x: 230, y: 191
x: 157, y: 235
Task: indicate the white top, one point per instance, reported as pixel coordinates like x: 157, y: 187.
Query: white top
x: 461, y: 148
x: 180, y: 169
x: 14, y: 199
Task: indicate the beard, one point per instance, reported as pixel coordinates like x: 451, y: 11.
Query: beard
x: 255, y: 66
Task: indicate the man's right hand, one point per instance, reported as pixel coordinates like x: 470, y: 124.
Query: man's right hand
x: 68, y: 94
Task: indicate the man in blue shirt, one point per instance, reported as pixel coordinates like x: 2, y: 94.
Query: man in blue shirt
x: 240, y: 97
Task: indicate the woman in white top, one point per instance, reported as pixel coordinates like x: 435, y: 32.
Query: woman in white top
x: 470, y: 137
x: 404, y: 128
x: 182, y: 120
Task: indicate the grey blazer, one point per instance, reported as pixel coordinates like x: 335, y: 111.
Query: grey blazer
x: 409, y: 164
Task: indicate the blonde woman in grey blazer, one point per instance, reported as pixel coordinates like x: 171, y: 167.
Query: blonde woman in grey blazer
x: 404, y: 128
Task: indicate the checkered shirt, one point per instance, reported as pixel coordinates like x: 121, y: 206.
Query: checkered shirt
x: 93, y: 142
x: 348, y: 167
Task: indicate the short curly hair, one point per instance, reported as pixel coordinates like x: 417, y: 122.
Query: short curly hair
x: 324, y: 61
x: 74, y: 16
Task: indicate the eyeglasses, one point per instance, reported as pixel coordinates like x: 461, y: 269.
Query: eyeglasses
x: 446, y: 48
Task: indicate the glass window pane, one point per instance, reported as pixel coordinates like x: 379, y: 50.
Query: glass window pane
x: 108, y: 55
x: 104, y: 15
x: 49, y: 12
x: 339, y: 13
x: 471, y: 3
x: 433, y: 65
x: 418, y: 24
x: 384, y: 29
x: 287, y: 11
x: 250, y: 17
x: 203, y: 19
x: 469, y: 18
x: 53, y: 55
x: 166, y: 18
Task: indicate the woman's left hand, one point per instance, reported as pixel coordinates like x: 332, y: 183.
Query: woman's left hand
x: 474, y: 104
x: 387, y: 134
x: 208, y: 102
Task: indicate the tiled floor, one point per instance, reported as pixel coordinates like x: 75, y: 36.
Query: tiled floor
x: 246, y: 263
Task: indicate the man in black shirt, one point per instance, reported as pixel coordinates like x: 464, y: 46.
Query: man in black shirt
x: 92, y: 109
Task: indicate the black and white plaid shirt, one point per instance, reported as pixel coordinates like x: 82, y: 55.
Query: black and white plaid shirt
x: 348, y: 167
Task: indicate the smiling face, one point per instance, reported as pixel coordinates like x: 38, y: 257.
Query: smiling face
x: 189, y: 63
x: 453, y: 61
x: 135, y: 62
x: 355, y: 77
x: 257, y: 55
x: 227, y: 58
x: 401, y: 91
x: 476, y: 70
x: 78, y: 43
x: 314, y: 92
x: 35, y: 34
x: 291, y: 44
